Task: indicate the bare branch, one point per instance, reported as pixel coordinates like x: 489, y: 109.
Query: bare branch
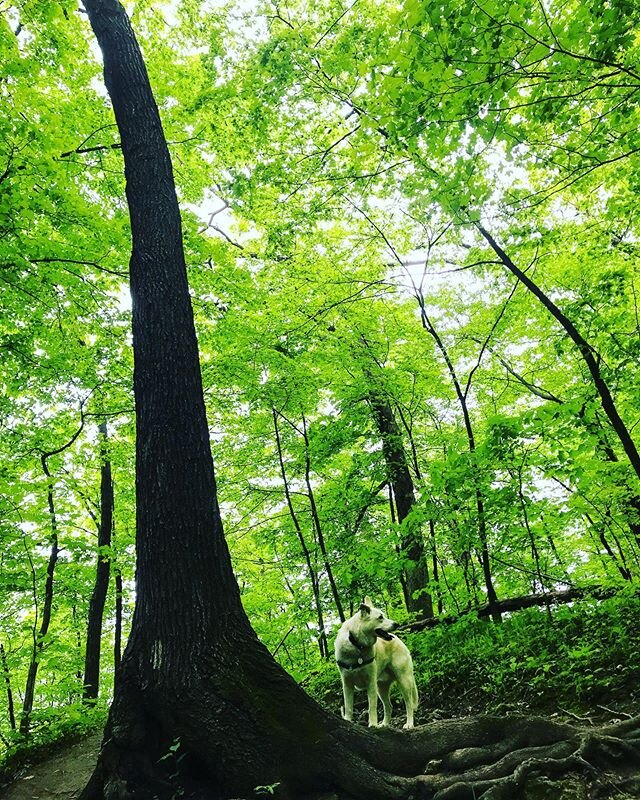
x: 488, y: 338
x: 335, y: 22
x: 94, y: 264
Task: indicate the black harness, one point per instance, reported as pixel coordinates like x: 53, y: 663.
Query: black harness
x: 361, y: 662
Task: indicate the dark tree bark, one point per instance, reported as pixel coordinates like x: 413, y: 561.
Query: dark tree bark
x: 9, y: 690
x: 194, y: 675
x: 117, y: 632
x: 415, y: 578
x: 103, y: 566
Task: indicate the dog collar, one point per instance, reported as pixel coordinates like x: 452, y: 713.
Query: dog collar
x: 362, y: 662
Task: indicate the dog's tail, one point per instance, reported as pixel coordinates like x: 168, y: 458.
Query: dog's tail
x: 416, y: 696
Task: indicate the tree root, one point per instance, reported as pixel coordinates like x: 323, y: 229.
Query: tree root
x: 503, y: 768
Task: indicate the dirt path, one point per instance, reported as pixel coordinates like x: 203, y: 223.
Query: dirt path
x: 60, y: 777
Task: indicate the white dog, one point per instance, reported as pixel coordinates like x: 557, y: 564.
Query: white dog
x: 370, y: 658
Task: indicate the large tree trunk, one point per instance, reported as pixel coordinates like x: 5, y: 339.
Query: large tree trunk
x: 200, y: 704
x: 103, y: 566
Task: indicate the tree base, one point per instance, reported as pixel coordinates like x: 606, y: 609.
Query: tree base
x: 509, y: 758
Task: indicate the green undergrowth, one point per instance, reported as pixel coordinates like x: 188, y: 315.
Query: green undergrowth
x: 51, y: 729
x: 576, y: 658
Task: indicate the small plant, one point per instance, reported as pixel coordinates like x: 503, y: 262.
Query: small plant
x: 268, y: 790
x: 173, y: 759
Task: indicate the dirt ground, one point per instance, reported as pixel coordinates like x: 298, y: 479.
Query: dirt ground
x: 60, y: 777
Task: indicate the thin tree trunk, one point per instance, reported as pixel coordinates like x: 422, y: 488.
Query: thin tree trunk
x: 79, y: 648
x: 38, y: 639
x: 556, y: 554
x: 535, y: 554
x: 432, y: 528
x: 621, y: 567
x: 532, y: 541
x: 317, y: 525
x: 462, y: 399
x: 416, y: 576
x: 91, y: 680
x: 620, y: 563
x: 402, y: 575
x: 589, y: 355
x: 408, y: 426
x: 38, y: 635
x: 434, y: 561
x: 595, y: 428
x: 363, y: 510
x: 315, y: 585
x: 7, y: 683
x: 452, y: 595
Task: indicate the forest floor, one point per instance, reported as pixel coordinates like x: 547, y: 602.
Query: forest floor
x: 58, y: 776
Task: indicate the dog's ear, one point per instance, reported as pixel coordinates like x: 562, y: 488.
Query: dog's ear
x: 367, y: 601
x: 365, y: 610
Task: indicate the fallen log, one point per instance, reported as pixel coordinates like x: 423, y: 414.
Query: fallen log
x: 518, y: 603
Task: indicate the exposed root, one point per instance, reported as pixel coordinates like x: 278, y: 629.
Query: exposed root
x: 522, y: 750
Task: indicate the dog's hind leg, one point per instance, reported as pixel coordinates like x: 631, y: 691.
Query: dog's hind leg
x: 409, y: 691
x: 383, y: 691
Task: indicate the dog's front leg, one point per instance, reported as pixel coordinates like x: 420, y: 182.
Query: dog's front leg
x: 372, y: 696
x: 347, y: 693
